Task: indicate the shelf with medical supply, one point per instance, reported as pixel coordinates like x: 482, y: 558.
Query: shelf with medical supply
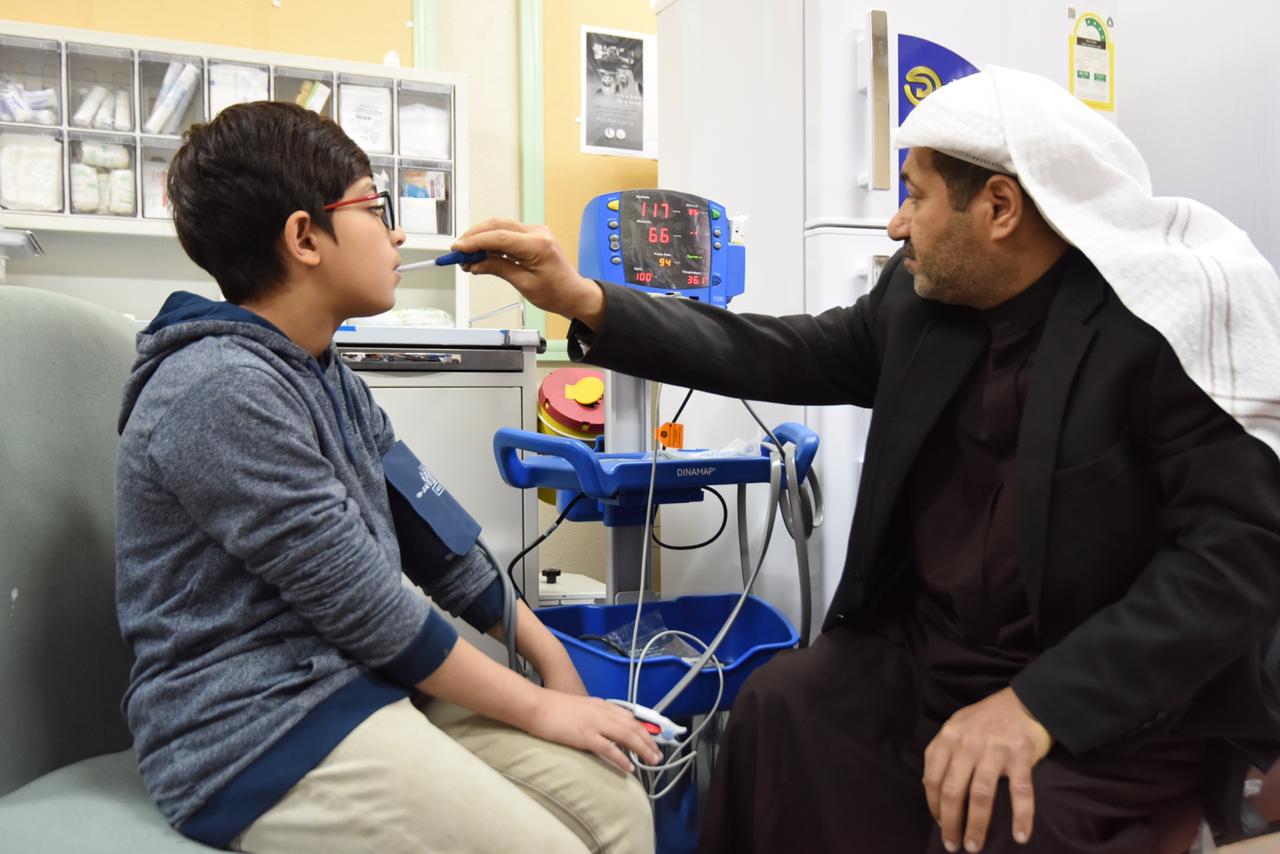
x: 89, y: 122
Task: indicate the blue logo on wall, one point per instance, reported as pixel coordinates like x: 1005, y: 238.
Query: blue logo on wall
x: 923, y: 67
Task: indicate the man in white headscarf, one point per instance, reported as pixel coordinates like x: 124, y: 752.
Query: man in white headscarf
x: 1064, y: 567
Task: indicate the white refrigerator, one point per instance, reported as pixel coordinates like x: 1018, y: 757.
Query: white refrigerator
x: 785, y: 111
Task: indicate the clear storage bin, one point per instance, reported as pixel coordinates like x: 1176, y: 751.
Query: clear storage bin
x: 237, y: 83
x: 172, y: 92
x: 306, y: 88
x: 30, y: 81
x: 425, y: 191
x: 364, y: 111
x: 31, y: 170
x: 425, y: 113
x: 100, y: 87
x: 101, y: 174
x: 157, y: 153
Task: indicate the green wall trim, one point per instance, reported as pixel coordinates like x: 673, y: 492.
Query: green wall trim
x: 533, y: 208
x: 424, y: 33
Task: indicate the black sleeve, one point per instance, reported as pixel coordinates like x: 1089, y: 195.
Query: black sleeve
x: 832, y: 357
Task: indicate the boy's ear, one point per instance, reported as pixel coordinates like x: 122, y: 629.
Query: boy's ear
x: 299, y: 241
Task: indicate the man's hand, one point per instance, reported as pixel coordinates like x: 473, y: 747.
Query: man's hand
x: 529, y: 258
x: 994, y: 738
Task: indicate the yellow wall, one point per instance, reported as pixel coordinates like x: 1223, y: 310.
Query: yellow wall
x: 571, y: 178
x: 338, y: 29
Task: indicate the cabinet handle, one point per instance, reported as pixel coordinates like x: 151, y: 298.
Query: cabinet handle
x: 878, y: 21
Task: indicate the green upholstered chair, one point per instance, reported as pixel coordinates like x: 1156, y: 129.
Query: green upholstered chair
x: 68, y: 779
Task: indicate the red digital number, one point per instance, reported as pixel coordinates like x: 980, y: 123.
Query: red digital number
x: 659, y: 235
x: 644, y: 277
x: 695, y: 280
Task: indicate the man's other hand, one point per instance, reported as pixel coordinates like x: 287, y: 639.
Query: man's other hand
x: 529, y: 258
x: 994, y: 738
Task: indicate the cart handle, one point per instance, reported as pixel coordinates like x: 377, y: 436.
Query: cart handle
x: 508, y: 442
x: 805, y: 440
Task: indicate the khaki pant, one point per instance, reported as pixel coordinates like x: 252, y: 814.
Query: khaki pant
x: 442, y: 779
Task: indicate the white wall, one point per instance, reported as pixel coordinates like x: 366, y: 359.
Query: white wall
x: 747, y: 151
x: 1197, y: 94
x: 480, y: 38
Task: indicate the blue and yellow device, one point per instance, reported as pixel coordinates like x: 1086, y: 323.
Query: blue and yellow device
x: 662, y: 241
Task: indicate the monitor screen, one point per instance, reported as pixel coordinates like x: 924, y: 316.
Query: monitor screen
x: 666, y: 239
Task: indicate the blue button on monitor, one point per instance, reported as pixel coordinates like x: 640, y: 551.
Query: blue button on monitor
x: 615, y: 260
x: 613, y: 223
x: 717, y: 245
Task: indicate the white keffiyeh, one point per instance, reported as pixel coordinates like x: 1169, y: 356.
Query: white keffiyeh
x: 1176, y: 263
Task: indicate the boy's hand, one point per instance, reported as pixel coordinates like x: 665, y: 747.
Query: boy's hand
x: 529, y: 258
x: 592, y: 724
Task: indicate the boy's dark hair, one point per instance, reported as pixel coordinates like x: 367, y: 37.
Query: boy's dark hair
x: 964, y: 180
x: 235, y: 181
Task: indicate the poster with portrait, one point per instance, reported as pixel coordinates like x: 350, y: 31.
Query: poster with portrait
x: 619, y: 108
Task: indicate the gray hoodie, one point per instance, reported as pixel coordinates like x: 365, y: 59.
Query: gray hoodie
x: 259, y: 580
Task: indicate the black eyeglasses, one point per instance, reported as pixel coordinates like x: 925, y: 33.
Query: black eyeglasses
x: 385, y: 209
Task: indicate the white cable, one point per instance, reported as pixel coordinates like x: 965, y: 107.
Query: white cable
x: 774, y: 485
x: 744, y: 547
x: 799, y: 536
x: 678, y: 633
x: 675, y: 760
x: 509, y: 609
x: 645, y: 546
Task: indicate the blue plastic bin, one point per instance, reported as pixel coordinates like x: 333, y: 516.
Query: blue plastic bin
x: 759, y: 632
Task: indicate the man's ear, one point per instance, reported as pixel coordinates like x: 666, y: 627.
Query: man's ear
x: 299, y: 242
x: 1006, y: 205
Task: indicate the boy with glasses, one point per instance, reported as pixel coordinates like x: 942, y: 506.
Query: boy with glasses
x: 289, y: 692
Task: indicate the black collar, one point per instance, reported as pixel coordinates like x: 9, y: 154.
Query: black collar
x: 1029, y: 307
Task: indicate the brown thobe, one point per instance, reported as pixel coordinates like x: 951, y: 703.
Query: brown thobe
x: 824, y: 750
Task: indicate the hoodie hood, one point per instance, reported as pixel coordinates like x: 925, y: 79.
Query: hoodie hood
x: 186, y: 318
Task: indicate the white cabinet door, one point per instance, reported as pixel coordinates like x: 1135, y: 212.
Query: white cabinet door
x: 451, y: 431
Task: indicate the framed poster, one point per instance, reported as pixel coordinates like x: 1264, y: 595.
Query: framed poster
x: 619, y: 105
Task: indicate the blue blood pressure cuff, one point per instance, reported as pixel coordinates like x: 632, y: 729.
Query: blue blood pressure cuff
x: 431, y: 525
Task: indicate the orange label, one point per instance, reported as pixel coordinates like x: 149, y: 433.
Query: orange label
x: 671, y: 435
